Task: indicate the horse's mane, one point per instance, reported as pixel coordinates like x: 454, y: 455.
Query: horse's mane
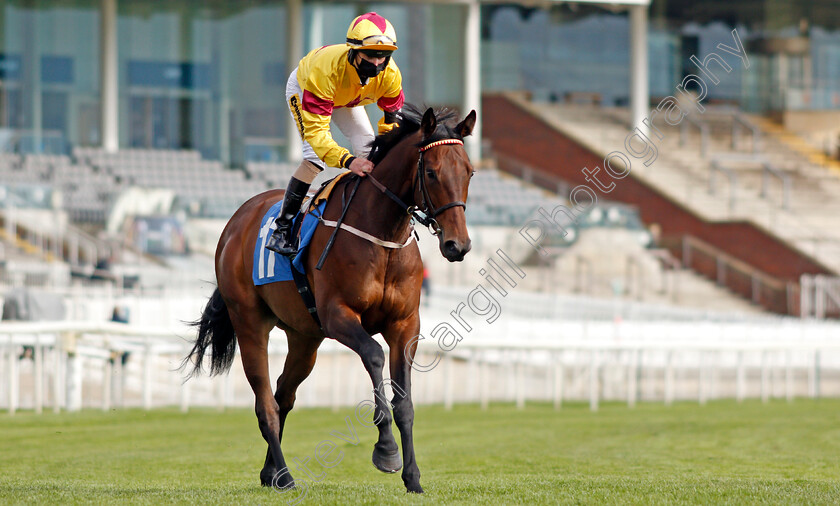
x: 407, y: 124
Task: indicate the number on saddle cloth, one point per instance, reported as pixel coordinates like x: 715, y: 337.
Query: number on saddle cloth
x: 271, y: 267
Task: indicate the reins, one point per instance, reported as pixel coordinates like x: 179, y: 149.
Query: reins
x: 425, y: 215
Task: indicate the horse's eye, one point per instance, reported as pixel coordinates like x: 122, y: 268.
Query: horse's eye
x: 430, y: 173
x: 472, y: 174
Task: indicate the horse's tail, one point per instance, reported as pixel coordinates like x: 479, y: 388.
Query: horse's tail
x: 215, y: 330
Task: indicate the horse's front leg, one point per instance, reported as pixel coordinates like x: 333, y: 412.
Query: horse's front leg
x: 345, y: 327
x: 400, y: 337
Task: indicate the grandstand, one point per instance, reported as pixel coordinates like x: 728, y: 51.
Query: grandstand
x: 86, y: 184
x: 710, y: 186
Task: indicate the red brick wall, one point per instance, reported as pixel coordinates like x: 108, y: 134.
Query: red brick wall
x: 518, y: 134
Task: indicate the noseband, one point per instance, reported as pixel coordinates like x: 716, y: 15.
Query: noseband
x: 427, y: 214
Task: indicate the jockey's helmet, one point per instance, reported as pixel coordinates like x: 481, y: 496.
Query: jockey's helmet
x: 372, y: 34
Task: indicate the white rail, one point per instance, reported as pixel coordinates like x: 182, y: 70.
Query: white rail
x: 74, y: 365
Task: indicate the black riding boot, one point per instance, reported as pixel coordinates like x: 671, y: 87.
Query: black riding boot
x: 281, y: 241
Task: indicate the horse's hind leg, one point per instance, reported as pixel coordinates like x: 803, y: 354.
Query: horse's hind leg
x: 299, y: 363
x: 252, y: 334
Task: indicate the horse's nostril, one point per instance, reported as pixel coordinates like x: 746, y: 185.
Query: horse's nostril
x: 450, y: 247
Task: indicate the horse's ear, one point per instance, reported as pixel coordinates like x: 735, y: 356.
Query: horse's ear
x: 465, y: 127
x: 429, y: 123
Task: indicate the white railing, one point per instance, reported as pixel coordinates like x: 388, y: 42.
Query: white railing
x: 701, y: 127
x: 819, y: 296
x: 65, y: 365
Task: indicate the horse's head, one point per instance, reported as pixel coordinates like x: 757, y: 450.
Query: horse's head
x: 443, y: 179
x: 425, y: 161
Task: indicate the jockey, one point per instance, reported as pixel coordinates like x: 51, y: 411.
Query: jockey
x: 332, y: 83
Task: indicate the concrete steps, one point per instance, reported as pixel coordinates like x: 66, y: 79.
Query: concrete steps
x: 679, y: 172
x: 605, y: 263
x: 796, y: 143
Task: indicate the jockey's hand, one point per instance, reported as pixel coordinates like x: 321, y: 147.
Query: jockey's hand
x: 361, y: 166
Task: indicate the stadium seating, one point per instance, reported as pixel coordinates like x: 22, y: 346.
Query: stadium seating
x: 91, y: 179
x: 739, y: 188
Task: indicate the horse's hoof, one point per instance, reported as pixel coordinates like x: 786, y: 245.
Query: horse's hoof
x: 266, y: 475
x: 414, y: 489
x: 387, y: 462
x: 278, y: 479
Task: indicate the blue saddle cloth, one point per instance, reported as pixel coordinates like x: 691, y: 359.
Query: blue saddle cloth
x: 271, y: 267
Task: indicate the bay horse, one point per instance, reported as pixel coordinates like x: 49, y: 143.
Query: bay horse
x: 361, y: 290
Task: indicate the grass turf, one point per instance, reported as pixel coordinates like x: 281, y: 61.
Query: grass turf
x: 721, y: 453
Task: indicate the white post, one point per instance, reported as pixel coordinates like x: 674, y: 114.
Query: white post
x: 118, y: 381
x: 227, y: 386
x: 639, y: 87
x: 814, y: 376
x: 353, y: 385
x: 73, y: 382
x: 472, y: 376
x: 219, y: 387
x: 108, y: 80
x: 38, y: 357
x: 669, y: 379
x: 185, y: 396
x: 703, y: 379
x: 789, y: 376
x: 520, y: 384
x: 447, y: 383
x: 56, y: 375
x: 740, y: 381
x: 336, y: 380
x: 483, y: 385
x: 632, y: 375
x: 765, y: 377
x: 147, y: 376
x: 558, y: 380
x: 3, y: 364
x: 472, y: 76
x: 107, y: 372
x: 594, y: 392
x: 294, y: 52
x: 713, y: 377
x: 510, y: 381
x: 13, y: 377
x: 73, y: 373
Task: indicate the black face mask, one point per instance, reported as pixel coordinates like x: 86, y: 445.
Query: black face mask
x: 368, y: 70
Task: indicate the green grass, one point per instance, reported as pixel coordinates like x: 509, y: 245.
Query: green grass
x: 722, y: 453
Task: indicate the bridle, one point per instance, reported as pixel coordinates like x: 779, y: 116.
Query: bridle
x: 427, y: 214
